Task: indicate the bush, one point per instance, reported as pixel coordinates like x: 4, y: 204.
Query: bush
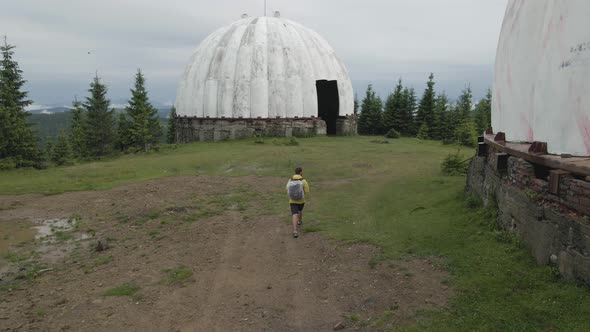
x: 423, y: 132
x: 7, y: 163
x: 473, y: 201
x: 454, y: 165
x: 393, y: 134
x: 465, y: 134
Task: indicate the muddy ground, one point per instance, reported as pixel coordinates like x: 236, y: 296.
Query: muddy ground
x: 198, y: 254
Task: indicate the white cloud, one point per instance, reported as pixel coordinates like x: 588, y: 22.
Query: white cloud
x: 36, y: 107
x: 62, y: 43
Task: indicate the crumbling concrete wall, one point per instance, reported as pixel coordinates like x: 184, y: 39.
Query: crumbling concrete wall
x: 199, y: 129
x: 555, y: 228
x: 347, y: 125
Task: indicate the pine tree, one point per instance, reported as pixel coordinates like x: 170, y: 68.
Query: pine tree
x: 370, y: 120
x: 425, y: 114
x: 407, y: 113
x: 123, y: 141
x: 144, y: 124
x: 62, y: 152
x: 483, y: 114
x: 440, y: 127
x: 48, y: 148
x: 99, y: 121
x: 18, y: 140
x: 462, y: 120
x: 393, y: 113
x: 464, y: 105
x: 78, y: 130
x: 171, y: 134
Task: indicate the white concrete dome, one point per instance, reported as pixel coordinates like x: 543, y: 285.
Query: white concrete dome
x: 542, y: 75
x: 261, y: 67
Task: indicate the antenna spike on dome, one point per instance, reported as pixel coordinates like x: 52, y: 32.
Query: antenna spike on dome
x: 244, y: 15
x: 277, y: 14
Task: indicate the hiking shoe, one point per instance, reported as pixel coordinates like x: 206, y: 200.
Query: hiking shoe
x: 295, y: 235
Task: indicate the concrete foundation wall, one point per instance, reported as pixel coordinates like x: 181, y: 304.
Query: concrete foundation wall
x: 195, y: 129
x: 199, y: 129
x: 555, y: 228
x: 347, y: 125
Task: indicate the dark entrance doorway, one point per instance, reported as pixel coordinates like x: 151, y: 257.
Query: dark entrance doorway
x: 328, y: 103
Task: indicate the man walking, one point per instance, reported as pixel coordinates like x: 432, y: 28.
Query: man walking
x: 297, y: 188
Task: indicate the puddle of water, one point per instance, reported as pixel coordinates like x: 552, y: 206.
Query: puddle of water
x: 13, y: 233
x: 47, y: 228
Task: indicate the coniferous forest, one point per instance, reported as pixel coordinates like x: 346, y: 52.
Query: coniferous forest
x: 432, y: 117
x: 90, y: 130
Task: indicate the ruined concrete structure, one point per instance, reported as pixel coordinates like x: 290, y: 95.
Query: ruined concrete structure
x: 266, y: 75
x: 547, y: 208
x: 541, y: 111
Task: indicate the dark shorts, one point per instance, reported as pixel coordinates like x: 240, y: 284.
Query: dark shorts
x: 296, y: 208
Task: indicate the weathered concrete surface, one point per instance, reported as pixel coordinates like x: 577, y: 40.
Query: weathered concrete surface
x: 542, y: 75
x: 195, y: 129
x: 261, y: 67
x: 555, y: 230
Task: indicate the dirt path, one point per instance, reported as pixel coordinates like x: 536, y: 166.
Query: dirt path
x: 248, y: 274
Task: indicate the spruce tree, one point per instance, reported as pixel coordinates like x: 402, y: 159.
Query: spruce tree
x: 393, y: 117
x: 370, y: 120
x: 483, y: 113
x: 440, y: 128
x: 62, y: 152
x: 423, y: 132
x: 99, y: 121
x: 407, y: 113
x: 464, y: 105
x: 123, y: 141
x: 356, y: 105
x: 425, y: 114
x: 463, y: 121
x: 78, y: 130
x: 144, y: 124
x: 171, y: 134
x: 18, y: 140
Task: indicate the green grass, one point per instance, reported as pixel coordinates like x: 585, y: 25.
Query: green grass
x: 102, y: 260
x: 392, y: 195
x: 126, y: 289
x: 177, y: 275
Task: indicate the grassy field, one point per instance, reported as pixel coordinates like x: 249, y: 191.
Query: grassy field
x: 392, y: 195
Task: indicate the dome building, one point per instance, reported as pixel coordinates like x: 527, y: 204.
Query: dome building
x: 533, y: 167
x: 264, y: 76
x: 542, y: 75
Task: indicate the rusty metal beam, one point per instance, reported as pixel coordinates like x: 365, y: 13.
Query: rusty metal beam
x: 576, y: 165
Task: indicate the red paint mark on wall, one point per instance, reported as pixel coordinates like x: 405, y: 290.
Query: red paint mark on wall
x: 530, y: 135
x: 583, y: 125
x: 548, y: 32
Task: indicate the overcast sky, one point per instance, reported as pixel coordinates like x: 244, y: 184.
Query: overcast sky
x: 61, y: 43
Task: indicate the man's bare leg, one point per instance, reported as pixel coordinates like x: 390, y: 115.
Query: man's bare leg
x: 300, y: 214
x: 295, y: 219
